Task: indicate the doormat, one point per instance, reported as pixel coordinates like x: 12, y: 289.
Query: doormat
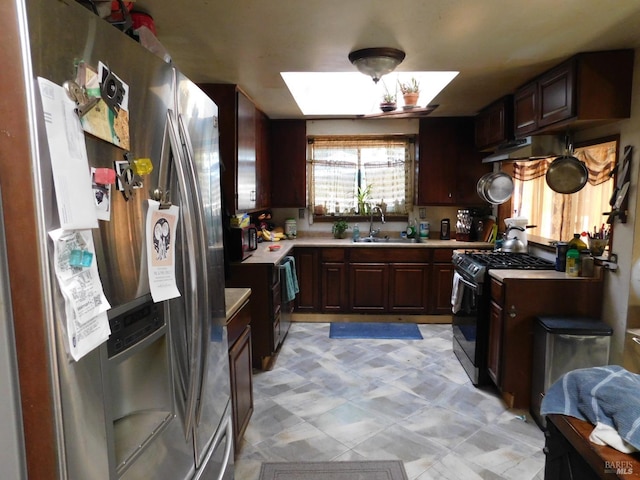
x: 387, y: 331
x: 368, y: 470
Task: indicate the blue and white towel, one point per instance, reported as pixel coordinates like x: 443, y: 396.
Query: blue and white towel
x: 608, y: 397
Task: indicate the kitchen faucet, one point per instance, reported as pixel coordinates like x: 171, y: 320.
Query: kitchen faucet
x: 372, y: 232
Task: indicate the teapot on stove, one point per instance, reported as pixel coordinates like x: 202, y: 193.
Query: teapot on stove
x: 513, y: 244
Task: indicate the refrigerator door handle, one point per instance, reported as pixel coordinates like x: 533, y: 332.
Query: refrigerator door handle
x: 224, y: 432
x: 191, y: 303
x: 201, y: 253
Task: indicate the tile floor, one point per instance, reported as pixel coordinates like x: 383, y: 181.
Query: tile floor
x: 335, y: 400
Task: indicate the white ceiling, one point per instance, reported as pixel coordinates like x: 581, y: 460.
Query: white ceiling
x: 495, y: 44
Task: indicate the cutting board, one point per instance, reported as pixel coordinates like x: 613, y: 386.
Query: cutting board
x: 487, y: 228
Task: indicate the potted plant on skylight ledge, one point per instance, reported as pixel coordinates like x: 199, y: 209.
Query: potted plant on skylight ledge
x: 410, y: 92
x: 388, y: 103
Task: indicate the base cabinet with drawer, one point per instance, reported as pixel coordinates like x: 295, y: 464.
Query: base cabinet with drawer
x: 240, y: 371
x: 375, y: 280
x: 270, y: 317
x: 515, y: 304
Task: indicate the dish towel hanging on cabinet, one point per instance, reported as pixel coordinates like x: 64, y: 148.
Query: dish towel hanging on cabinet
x: 290, y: 279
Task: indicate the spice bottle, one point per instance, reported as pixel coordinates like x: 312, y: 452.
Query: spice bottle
x: 586, y: 264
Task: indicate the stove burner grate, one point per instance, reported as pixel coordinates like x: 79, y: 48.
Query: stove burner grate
x: 511, y: 260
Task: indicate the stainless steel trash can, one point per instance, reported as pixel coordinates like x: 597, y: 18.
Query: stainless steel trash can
x: 562, y: 344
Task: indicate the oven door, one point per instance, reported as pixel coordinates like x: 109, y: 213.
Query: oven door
x: 470, y: 327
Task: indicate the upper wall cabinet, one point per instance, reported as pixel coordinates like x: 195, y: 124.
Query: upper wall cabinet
x: 242, y: 146
x: 494, y: 124
x: 449, y: 166
x: 288, y: 139
x: 587, y: 89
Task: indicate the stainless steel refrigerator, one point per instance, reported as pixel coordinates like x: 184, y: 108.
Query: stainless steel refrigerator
x: 153, y: 400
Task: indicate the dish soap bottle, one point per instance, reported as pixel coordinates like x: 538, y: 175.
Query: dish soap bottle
x: 577, y: 243
x: 356, y: 233
x: 411, y: 229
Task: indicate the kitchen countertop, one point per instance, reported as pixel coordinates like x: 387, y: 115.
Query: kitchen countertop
x: 234, y: 298
x: 502, y: 275
x: 263, y: 255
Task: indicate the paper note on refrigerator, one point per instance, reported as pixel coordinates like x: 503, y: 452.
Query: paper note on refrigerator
x: 87, y: 325
x: 69, y: 163
x: 161, y: 259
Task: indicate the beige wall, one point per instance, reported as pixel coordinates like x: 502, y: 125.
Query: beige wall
x: 622, y: 305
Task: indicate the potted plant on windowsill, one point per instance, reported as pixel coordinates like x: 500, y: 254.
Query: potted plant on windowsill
x: 339, y: 227
x: 363, y: 199
x: 410, y: 92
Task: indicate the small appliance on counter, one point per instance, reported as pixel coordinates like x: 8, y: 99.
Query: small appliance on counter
x: 242, y: 241
x: 445, y: 229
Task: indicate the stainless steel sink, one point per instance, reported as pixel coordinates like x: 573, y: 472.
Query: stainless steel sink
x: 386, y: 240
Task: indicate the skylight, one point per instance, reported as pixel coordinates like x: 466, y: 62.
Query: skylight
x: 352, y: 93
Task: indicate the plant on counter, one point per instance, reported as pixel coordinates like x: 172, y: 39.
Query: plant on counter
x: 339, y: 227
x: 363, y: 199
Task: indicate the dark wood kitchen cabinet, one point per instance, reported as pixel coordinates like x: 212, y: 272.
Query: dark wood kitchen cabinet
x: 494, y: 124
x: 449, y: 166
x: 384, y: 280
x: 240, y: 371
x: 516, y: 302
x: 408, y: 287
x: 243, y: 142
x: 333, y: 280
x: 441, y: 282
x: 307, y: 300
x: 288, y: 139
x: 390, y: 280
x: 263, y: 160
x: 588, y: 88
x: 369, y: 285
x: 269, y: 314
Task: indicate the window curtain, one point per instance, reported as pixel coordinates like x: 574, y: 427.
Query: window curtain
x: 338, y: 165
x: 559, y: 216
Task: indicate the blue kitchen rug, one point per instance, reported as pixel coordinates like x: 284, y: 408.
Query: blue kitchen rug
x: 387, y: 331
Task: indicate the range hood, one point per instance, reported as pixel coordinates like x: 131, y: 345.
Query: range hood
x: 529, y: 148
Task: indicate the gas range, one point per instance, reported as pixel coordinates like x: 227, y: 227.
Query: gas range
x: 474, y: 264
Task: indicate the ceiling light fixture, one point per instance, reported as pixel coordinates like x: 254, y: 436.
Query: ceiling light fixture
x: 376, y: 62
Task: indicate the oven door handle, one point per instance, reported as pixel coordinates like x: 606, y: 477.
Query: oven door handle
x: 473, y: 287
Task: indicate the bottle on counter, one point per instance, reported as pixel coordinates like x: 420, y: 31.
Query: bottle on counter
x: 573, y: 263
x: 411, y: 229
x: 577, y: 243
x: 424, y: 230
x: 587, y: 264
x: 356, y: 233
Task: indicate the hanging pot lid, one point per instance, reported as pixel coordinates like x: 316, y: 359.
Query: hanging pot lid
x: 567, y: 174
